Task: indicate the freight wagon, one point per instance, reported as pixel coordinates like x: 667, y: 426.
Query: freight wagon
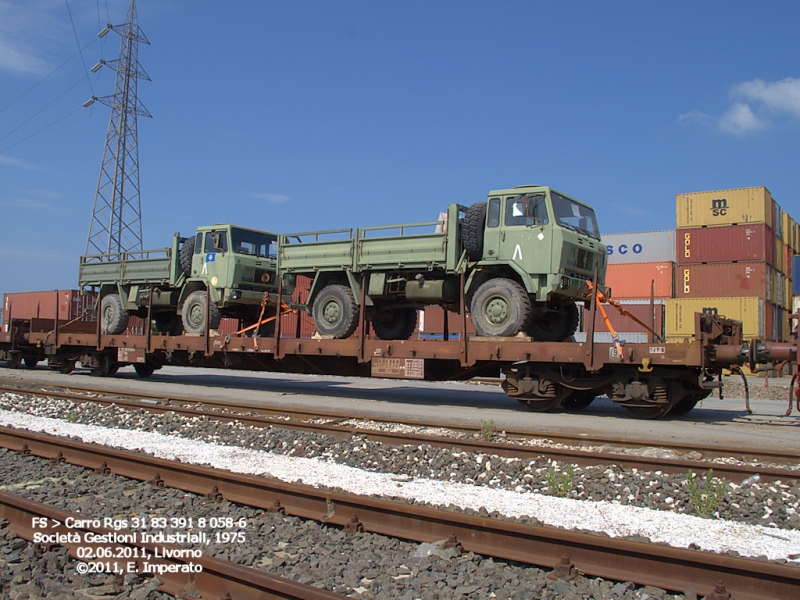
x: 648, y: 380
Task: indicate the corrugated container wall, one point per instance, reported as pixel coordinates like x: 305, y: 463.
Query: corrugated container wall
x: 726, y: 244
x: 633, y: 280
x: 645, y: 246
x: 42, y: 305
x: 796, y: 280
x: 724, y: 207
x: 431, y: 323
x: 777, y: 219
x: 638, y: 308
x: 734, y: 279
x: 750, y: 311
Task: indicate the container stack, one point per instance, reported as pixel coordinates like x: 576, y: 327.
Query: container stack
x: 734, y: 258
x: 637, y: 263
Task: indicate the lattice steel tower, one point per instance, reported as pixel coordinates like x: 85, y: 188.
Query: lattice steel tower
x: 116, y: 224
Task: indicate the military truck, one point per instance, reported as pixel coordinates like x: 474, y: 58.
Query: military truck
x: 526, y: 255
x: 232, y: 266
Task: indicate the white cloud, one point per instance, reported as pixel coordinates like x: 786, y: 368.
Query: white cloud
x: 271, y: 198
x: 757, y: 105
x: 778, y: 97
x: 739, y: 119
x: 26, y: 203
x: 20, y: 164
x: 36, y: 35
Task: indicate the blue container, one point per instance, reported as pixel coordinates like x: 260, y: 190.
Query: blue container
x: 796, y: 275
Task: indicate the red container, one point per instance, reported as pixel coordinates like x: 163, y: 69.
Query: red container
x: 42, y: 305
x: 736, y: 243
x: 719, y: 279
x: 638, y: 308
x: 633, y: 280
x: 431, y: 322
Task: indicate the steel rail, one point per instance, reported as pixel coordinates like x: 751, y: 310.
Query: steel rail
x: 569, y: 552
x: 732, y: 472
x: 217, y: 578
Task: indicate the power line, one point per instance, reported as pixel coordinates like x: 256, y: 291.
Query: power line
x: 77, y: 41
x: 69, y: 114
x: 41, y: 109
x: 43, y: 79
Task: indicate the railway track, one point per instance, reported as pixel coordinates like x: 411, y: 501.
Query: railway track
x: 580, y: 450
x: 216, y: 578
x: 567, y: 552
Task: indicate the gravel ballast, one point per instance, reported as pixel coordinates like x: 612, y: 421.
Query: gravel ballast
x: 614, y: 519
x: 756, y: 503
x: 360, y: 565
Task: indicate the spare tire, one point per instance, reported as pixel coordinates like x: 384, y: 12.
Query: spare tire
x: 185, y: 256
x: 472, y: 228
x: 113, y: 316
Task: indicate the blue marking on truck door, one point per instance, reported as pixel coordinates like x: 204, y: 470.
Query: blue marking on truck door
x: 210, y: 257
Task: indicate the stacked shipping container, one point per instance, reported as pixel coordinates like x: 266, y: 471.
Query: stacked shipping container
x: 734, y: 250
x: 638, y: 263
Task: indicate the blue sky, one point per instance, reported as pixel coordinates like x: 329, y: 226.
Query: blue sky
x: 293, y: 116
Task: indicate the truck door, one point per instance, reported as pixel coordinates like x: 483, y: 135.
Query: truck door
x: 491, y: 235
x: 525, y: 236
x: 215, y: 265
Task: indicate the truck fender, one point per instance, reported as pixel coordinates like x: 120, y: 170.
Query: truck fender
x: 531, y: 286
x: 194, y: 286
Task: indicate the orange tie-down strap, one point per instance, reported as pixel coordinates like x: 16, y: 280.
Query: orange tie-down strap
x: 601, y: 298
x: 285, y: 310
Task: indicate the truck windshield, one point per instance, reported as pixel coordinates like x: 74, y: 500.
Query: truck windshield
x: 254, y: 243
x: 574, y: 216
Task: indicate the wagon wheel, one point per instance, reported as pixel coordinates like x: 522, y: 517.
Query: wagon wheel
x: 553, y: 395
x: 662, y: 400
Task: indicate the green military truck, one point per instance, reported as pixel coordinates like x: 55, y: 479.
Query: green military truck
x: 526, y: 254
x: 232, y: 266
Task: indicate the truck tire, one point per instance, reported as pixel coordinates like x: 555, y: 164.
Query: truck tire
x: 193, y: 313
x: 500, y: 307
x: 472, y: 228
x: 114, y: 318
x: 335, y: 312
x: 395, y: 324
x: 553, y: 324
x: 185, y: 256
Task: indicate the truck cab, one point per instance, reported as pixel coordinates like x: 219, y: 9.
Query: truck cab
x: 236, y: 263
x: 551, y: 240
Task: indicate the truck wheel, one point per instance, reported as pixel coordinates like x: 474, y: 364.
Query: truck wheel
x: 335, y: 312
x: 114, y: 318
x: 395, y: 324
x: 472, y: 228
x: 194, y: 311
x: 500, y: 307
x: 553, y: 324
x: 185, y: 256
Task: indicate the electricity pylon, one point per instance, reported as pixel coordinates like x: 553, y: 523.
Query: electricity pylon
x: 116, y: 224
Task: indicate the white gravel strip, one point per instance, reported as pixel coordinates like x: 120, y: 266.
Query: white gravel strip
x: 616, y: 520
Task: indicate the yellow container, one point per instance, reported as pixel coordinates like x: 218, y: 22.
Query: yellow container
x: 679, y: 316
x: 787, y: 228
x: 724, y: 207
x: 779, y: 255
